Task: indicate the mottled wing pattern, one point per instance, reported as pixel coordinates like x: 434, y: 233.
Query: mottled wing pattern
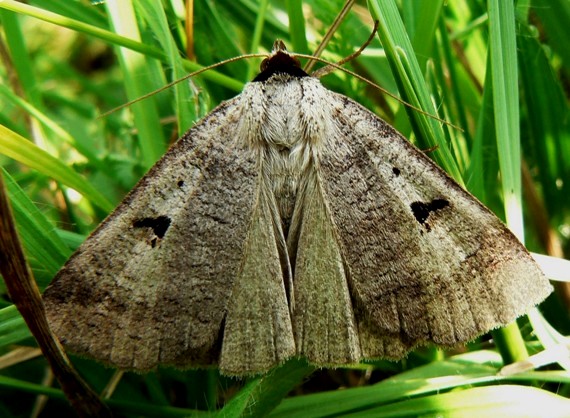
x: 151, y: 285
x: 323, y: 318
x: 425, y: 261
x: 258, y: 333
x: 383, y: 250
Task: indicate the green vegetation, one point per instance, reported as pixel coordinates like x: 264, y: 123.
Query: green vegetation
x: 497, y: 70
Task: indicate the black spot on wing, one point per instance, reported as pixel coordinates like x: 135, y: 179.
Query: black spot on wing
x: 422, y: 210
x: 159, y: 225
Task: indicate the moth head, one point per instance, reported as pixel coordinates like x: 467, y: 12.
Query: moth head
x: 280, y: 61
x: 279, y: 57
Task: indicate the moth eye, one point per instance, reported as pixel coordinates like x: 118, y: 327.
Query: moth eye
x: 159, y: 225
x: 396, y: 171
x: 422, y: 210
x: 180, y: 183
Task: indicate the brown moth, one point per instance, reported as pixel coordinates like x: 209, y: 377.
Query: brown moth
x: 290, y: 221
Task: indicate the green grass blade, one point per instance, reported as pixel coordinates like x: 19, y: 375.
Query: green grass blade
x: 297, y: 26
x: 548, y: 114
x: 13, y: 328
x: 555, y: 15
x: 23, y: 64
x: 112, y: 38
x: 423, y: 383
x: 141, y: 76
x: 263, y: 394
x: 155, y: 16
x: 257, y: 33
x: 402, y: 58
x: 503, y: 56
x: 504, y: 74
x: 14, y: 146
x: 38, y: 235
x: 497, y: 401
x: 79, y: 26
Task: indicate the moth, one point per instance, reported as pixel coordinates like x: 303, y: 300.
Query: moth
x: 290, y: 221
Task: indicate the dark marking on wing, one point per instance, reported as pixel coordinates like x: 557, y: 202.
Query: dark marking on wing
x: 159, y: 225
x: 422, y: 210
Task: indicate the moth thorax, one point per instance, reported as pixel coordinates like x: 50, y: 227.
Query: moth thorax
x: 285, y: 168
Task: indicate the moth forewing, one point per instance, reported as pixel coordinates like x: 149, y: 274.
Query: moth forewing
x: 289, y: 221
x: 433, y: 264
x: 133, y: 287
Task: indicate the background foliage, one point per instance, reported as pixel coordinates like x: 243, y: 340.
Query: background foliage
x: 498, y: 70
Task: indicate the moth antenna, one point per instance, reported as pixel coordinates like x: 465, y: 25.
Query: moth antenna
x: 172, y: 83
x: 376, y: 86
x: 321, y: 72
x: 430, y: 149
x: 330, y: 67
x: 327, y: 69
x: 330, y: 32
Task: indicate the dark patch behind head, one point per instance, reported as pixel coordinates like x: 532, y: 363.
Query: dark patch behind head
x: 280, y: 62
